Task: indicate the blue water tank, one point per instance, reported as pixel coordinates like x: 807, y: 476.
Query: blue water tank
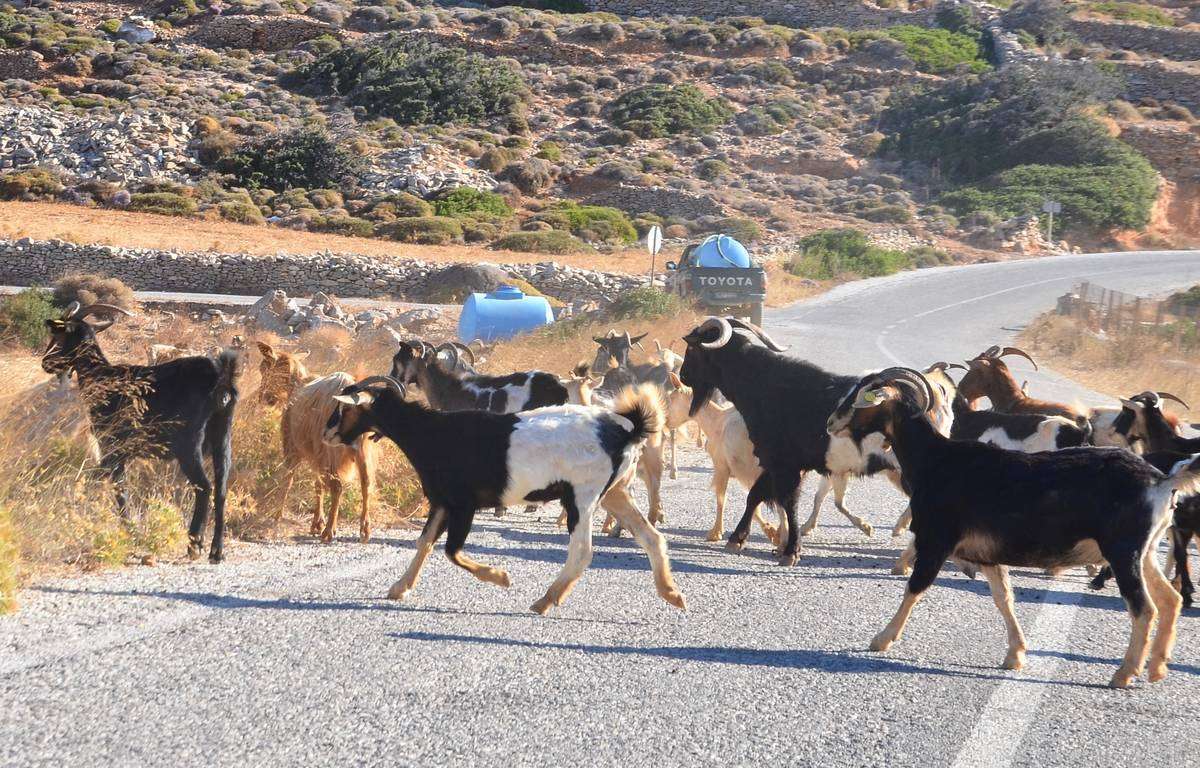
x: 721, y: 251
x: 502, y: 314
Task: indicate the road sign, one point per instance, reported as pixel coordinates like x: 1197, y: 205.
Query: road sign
x: 654, y: 240
x: 1051, y: 206
x: 653, y: 245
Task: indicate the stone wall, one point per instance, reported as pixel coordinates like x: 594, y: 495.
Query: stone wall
x: 1164, y: 82
x: 261, y: 33
x: 1171, y: 151
x: 1178, y: 44
x: 852, y: 14
x: 664, y: 201
x: 38, y: 262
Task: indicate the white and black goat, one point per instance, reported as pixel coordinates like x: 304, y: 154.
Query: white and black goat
x: 471, y: 459
x: 999, y: 508
x: 449, y: 389
x: 181, y: 409
x: 784, y: 402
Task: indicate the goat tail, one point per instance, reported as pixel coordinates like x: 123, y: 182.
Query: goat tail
x: 643, y: 406
x: 229, y: 367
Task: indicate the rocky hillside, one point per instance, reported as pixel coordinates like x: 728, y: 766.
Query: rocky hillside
x: 550, y: 132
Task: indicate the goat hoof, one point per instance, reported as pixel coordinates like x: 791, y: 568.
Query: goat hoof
x: 1121, y: 679
x: 1158, y: 670
x: 674, y: 475
x: 1014, y: 660
x: 398, y: 591
x: 194, y: 550
x: 675, y: 598
x: 734, y: 545
x: 615, y: 532
x: 216, y: 556
x: 542, y: 607
x: 713, y: 535
x: 900, y: 570
x: 1096, y: 583
x: 364, y: 536
x: 881, y: 642
x: 327, y: 537
x: 808, y: 529
x: 1187, y: 601
x: 788, y: 561
x: 867, y: 530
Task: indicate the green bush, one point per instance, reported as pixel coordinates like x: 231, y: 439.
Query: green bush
x: 468, y: 202
x: 307, y: 158
x: 546, y: 241
x: 424, y: 230
x: 163, y: 203
x: 398, y: 205
x: 645, y: 303
x: 834, y: 253
x: 240, y: 211
x: 342, y: 225
x: 594, y: 223
x: 417, y: 82
x: 743, y: 230
x: 87, y: 288
x: 655, y: 111
x: 1142, y: 12
x: 939, y: 50
x: 23, y: 318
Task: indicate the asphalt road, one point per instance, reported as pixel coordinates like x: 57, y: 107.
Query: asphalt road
x: 287, y: 654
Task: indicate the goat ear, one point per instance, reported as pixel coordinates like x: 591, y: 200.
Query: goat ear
x: 266, y: 350
x: 1129, y: 404
x: 675, y: 380
x: 869, y: 398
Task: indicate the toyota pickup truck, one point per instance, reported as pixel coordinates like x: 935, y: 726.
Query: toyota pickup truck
x: 719, y: 275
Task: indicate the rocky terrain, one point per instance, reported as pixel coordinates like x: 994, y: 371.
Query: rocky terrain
x: 549, y: 132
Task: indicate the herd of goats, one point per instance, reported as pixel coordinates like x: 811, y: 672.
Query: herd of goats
x: 1028, y: 483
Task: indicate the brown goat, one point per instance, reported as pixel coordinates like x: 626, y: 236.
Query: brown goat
x: 988, y: 376
x: 309, y: 404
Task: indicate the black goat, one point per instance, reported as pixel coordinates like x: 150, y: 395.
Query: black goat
x: 785, y: 403
x: 181, y: 409
x: 999, y: 508
x: 580, y: 455
x: 612, y: 363
x: 449, y: 389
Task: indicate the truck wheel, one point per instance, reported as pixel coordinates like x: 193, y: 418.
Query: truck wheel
x: 756, y: 314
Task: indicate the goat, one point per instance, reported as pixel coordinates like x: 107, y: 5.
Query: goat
x: 1000, y: 508
x: 309, y: 403
x: 728, y: 446
x: 466, y: 460
x: 673, y: 360
x: 612, y: 357
x: 182, y: 409
x: 447, y: 389
x: 784, y: 402
x: 988, y: 376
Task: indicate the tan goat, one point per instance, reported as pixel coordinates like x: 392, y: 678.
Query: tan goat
x: 308, y: 405
x: 728, y: 445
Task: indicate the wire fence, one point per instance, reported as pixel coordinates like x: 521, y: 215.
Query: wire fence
x: 1115, y: 312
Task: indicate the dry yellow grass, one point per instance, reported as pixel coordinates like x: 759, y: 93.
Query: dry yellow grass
x: 76, y: 224
x: 1118, y: 364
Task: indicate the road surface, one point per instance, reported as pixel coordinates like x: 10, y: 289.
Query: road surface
x: 288, y: 655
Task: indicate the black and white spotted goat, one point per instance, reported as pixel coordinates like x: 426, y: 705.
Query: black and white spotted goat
x: 998, y: 508
x: 471, y: 459
x: 181, y: 409
x: 447, y: 387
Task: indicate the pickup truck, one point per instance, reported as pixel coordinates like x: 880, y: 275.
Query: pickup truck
x: 719, y: 275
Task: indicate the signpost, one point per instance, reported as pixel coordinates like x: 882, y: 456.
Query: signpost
x: 1051, y: 207
x: 654, y: 240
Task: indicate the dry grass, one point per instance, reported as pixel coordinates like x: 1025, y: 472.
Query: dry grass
x: 76, y: 224
x: 1118, y: 364
x: 57, y: 513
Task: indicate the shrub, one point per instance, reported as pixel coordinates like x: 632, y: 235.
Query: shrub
x: 938, y: 50
x: 834, y: 253
x: 163, y: 203
x: 532, y: 176
x: 645, y: 303
x: 593, y: 223
x: 550, y: 150
x: 342, y: 225
x: 34, y: 184
x: 23, y: 319
x: 89, y: 288
x: 741, y: 229
x: 711, y: 170
x: 546, y: 241
x: 1044, y: 20
x: 424, y: 230
x: 1142, y: 12
x: 656, y: 111
x: 468, y: 202
x: 398, y: 205
x: 415, y: 81
x: 495, y: 159
x: 240, y: 211
x: 925, y: 256
x: 302, y: 158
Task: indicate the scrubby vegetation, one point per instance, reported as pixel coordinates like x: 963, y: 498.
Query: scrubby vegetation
x: 23, y: 319
x: 1126, y: 11
x: 940, y: 51
x: 542, y: 241
x: 662, y: 110
x: 303, y: 158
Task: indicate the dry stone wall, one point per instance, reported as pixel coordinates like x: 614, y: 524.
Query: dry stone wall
x: 792, y: 13
x: 39, y: 262
x: 1177, y: 44
x: 1164, y: 82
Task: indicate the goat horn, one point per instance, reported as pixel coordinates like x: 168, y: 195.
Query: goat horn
x: 1019, y: 353
x: 628, y: 339
x: 104, y: 309
x: 70, y: 312
x: 726, y: 332
x: 387, y: 381
x: 447, y: 346
x: 1169, y: 396
x: 942, y: 365
x: 911, y: 379
x: 759, y: 332
x: 465, y: 348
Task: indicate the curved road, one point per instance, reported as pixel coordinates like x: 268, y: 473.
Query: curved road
x: 288, y: 655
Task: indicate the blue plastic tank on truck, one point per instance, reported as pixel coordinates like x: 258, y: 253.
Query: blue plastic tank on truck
x: 719, y: 275
x: 502, y: 314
